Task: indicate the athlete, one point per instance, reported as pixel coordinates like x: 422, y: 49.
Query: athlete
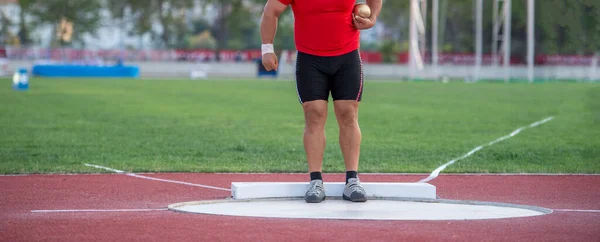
x: 327, y: 37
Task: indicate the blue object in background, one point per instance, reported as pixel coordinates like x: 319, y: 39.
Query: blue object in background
x: 21, y: 80
x: 85, y: 71
x: 262, y: 71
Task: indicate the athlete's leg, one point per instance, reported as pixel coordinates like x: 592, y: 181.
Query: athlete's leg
x: 315, y: 116
x: 346, y: 112
x: 347, y: 93
x: 313, y: 92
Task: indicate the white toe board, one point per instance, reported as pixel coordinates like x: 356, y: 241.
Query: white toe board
x: 254, y: 190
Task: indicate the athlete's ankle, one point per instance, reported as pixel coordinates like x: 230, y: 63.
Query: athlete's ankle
x: 351, y: 174
x: 316, y: 175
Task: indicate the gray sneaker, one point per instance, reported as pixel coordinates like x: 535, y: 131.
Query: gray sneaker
x: 354, y: 191
x: 315, y: 193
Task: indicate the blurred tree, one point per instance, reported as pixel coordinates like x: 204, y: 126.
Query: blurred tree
x: 199, y: 25
x: 577, y: 30
x: 394, y: 16
x: 568, y: 26
x: 232, y: 19
x: 389, y: 50
x: 243, y: 27
x: 24, y: 27
x: 83, y: 14
x: 202, y: 40
x: 234, y: 24
x: 141, y: 15
x: 456, y: 19
x: 5, y: 25
x: 237, y: 25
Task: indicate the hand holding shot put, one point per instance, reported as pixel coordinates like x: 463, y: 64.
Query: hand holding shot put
x: 362, y: 17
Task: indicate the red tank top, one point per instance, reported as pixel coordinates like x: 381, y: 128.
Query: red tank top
x: 324, y: 27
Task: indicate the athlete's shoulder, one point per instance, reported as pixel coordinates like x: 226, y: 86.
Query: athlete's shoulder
x: 286, y: 2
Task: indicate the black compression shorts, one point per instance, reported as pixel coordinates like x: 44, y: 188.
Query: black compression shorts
x: 317, y: 76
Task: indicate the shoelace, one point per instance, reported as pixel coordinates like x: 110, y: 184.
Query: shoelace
x: 314, y: 187
x: 354, y: 186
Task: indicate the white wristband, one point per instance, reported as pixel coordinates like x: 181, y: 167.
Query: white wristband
x: 267, y: 48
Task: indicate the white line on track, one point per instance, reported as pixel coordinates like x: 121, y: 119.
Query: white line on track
x: 437, y: 171
x: 98, y: 210
x: 577, y: 210
x: 157, y: 179
x: 105, y: 168
x: 482, y: 174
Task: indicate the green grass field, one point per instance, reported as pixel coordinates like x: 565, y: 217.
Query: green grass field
x: 257, y: 126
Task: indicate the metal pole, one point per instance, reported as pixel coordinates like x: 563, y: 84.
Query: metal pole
x: 495, y: 34
x: 594, y: 66
x: 507, y: 36
x: 423, y: 35
x: 530, y: 38
x: 443, y: 14
x: 478, y: 38
x: 412, y: 40
x: 434, y: 36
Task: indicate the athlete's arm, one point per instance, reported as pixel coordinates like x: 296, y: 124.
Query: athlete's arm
x: 367, y: 23
x: 268, y: 24
x: 268, y: 27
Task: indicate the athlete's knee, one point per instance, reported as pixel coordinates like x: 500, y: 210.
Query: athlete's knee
x: 347, y: 119
x: 347, y: 113
x: 315, y: 114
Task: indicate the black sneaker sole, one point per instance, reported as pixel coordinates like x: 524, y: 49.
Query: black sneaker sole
x: 360, y: 199
x: 314, y: 199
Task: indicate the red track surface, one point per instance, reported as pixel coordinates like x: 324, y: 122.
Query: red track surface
x: 21, y: 194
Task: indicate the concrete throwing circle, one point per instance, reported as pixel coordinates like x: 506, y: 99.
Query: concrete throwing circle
x: 379, y: 209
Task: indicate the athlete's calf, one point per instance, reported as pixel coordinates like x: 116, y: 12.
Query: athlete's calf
x: 346, y: 112
x: 315, y: 116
